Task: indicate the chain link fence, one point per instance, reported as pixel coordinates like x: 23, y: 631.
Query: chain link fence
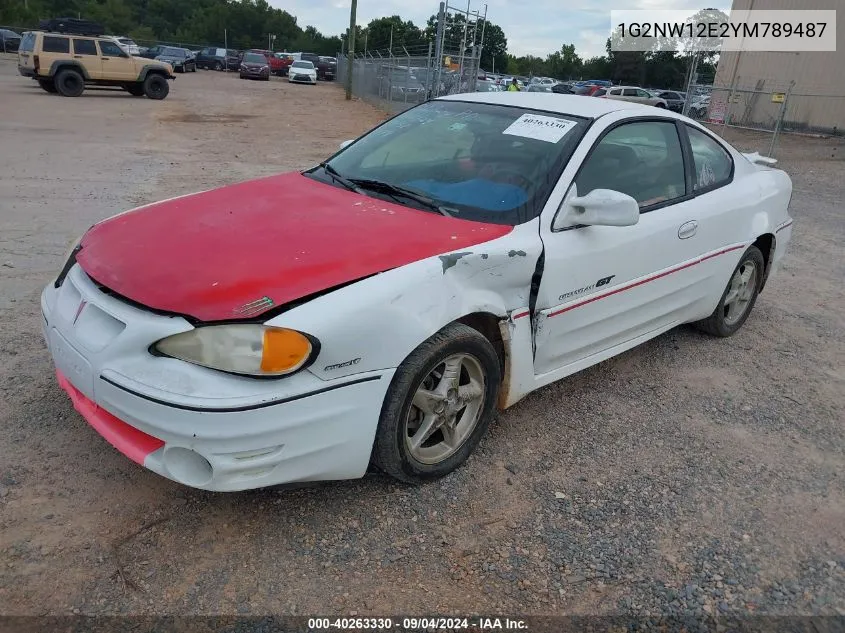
x: 756, y: 115
x: 397, y: 80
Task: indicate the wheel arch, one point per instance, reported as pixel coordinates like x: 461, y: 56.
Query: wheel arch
x: 62, y: 64
x: 767, y: 243
x: 152, y: 69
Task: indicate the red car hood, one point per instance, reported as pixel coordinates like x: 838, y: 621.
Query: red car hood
x: 222, y: 254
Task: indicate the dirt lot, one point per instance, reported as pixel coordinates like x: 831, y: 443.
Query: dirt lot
x: 689, y: 476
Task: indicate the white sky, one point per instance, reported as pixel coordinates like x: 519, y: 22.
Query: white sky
x: 536, y: 27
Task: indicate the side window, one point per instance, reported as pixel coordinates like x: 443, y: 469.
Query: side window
x: 643, y: 93
x: 713, y: 164
x: 110, y: 49
x: 643, y: 160
x: 84, y: 47
x: 616, y: 92
x: 53, y: 44
x: 629, y: 92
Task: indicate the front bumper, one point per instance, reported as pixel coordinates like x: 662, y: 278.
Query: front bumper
x: 199, y: 427
x: 257, y: 74
x: 302, y: 79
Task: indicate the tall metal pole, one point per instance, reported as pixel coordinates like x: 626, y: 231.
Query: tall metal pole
x: 463, y: 47
x: 481, y: 43
x: 366, y: 37
x: 438, y: 47
x: 350, y: 56
x: 390, y: 48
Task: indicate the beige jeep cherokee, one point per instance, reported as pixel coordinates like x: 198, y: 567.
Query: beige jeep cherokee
x: 66, y: 63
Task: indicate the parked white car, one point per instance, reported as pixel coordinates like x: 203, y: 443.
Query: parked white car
x: 127, y: 44
x: 302, y: 72
x: 378, y: 306
x: 634, y: 95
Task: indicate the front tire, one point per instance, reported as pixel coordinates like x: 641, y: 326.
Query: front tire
x: 739, y: 297
x: 218, y: 66
x: 155, y: 87
x: 69, y: 83
x: 438, y: 406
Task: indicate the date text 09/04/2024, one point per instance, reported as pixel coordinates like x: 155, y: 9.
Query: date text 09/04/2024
x: 417, y: 624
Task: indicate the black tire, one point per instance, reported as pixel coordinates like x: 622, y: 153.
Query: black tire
x: 47, y: 85
x: 136, y: 89
x: 156, y: 87
x: 718, y: 324
x: 660, y: 105
x: 69, y: 83
x: 390, y: 452
x: 218, y: 66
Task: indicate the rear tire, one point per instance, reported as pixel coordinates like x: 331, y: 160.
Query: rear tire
x: 136, y: 90
x: 739, y: 297
x: 446, y: 389
x: 47, y: 85
x: 156, y: 87
x: 69, y: 83
x: 218, y: 66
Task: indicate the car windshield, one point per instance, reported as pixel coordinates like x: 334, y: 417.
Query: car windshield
x: 476, y: 161
x: 255, y: 58
x: 301, y: 64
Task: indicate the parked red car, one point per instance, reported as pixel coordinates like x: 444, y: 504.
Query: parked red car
x: 277, y: 66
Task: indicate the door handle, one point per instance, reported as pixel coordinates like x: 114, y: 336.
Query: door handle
x: 77, y: 56
x: 105, y: 58
x: 687, y: 229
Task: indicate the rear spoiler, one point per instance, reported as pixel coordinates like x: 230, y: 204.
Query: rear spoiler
x: 757, y: 159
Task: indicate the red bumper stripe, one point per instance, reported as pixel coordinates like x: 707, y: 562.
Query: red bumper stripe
x: 644, y: 281
x: 788, y: 224
x: 520, y: 315
x: 135, y: 444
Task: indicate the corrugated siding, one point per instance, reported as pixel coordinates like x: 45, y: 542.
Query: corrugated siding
x: 818, y: 100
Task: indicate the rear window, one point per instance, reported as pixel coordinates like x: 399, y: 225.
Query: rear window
x: 53, y: 44
x: 27, y: 43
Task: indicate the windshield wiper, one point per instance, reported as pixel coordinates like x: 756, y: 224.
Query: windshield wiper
x: 397, y: 190
x: 333, y: 173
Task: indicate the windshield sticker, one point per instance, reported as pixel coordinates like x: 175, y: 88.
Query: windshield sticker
x: 539, y: 127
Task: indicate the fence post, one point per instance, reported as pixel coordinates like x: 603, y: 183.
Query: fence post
x: 407, y: 73
x: 727, y: 107
x: 428, y: 72
x: 690, y: 81
x: 781, y: 114
x: 438, y: 50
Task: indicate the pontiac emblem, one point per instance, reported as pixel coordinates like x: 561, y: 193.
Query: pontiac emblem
x: 254, y: 307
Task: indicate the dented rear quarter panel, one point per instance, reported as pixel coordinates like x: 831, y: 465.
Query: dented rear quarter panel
x: 377, y: 322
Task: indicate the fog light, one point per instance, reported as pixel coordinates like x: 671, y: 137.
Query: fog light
x: 187, y: 466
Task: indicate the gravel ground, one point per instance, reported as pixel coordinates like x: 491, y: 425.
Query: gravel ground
x: 689, y: 477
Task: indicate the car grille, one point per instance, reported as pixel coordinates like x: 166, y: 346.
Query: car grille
x: 302, y: 77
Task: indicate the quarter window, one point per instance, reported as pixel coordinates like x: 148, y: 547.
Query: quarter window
x: 713, y: 165
x: 84, y: 47
x: 643, y: 160
x: 54, y: 44
x: 629, y: 92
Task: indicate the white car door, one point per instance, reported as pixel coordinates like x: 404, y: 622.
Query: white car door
x: 606, y: 288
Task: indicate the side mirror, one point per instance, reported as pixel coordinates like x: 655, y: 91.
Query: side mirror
x: 346, y: 143
x: 600, y: 207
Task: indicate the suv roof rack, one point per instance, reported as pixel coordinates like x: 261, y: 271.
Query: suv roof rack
x: 72, y: 26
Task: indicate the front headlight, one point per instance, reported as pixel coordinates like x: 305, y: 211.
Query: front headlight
x: 247, y: 349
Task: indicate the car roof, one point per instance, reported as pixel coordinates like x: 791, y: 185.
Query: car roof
x: 573, y: 105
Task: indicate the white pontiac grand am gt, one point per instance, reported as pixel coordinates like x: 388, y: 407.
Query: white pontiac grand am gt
x: 375, y: 308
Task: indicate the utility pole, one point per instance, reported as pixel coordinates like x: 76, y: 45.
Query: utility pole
x: 390, y: 47
x: 351, y: 49
x: 366, y: 37
x: 481, y: 42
